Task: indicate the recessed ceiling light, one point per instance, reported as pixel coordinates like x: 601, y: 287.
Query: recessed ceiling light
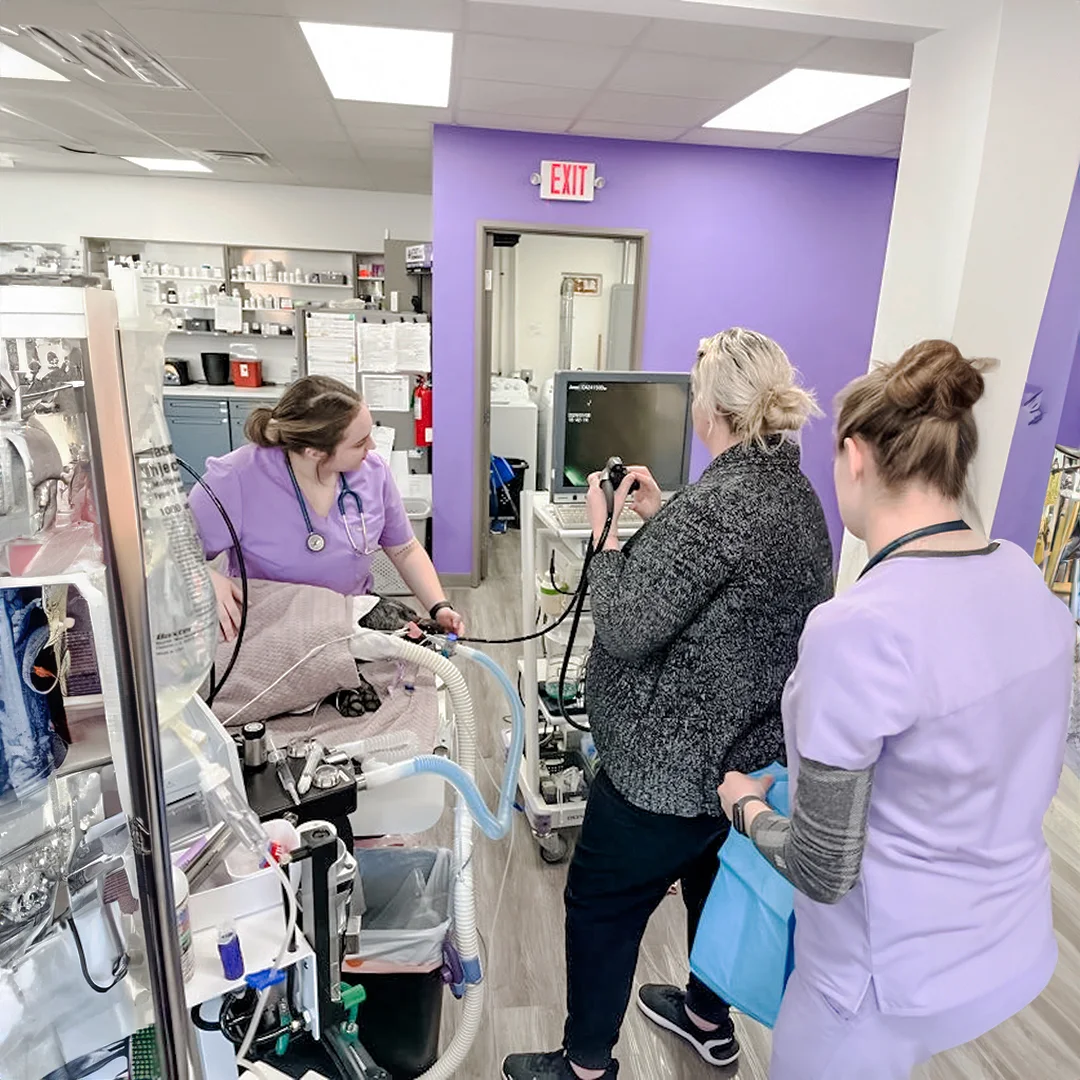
x: 803, y: 100
x: 168, y: 164
x: 378, y: 63
x: 17, y: 65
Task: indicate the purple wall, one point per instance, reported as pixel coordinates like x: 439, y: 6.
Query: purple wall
x: 789, y: 244
x: 1069, y: 428
x: 1023, y: 489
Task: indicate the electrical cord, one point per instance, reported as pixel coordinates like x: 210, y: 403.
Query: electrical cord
x: 215, y: 687
x: 119, y: 968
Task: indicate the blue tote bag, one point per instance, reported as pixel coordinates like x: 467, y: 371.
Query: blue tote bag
x: 744, y: 948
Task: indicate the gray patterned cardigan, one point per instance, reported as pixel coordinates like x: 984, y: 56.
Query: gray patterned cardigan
x: 698, y: 621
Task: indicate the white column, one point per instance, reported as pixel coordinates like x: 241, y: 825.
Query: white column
x: 990, y: 156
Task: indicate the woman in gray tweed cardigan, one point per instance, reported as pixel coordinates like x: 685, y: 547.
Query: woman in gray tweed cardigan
x: 698, y: 620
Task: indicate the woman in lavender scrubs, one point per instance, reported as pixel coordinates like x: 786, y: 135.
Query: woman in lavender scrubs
x: 311, y: 504
x: 925, y: 725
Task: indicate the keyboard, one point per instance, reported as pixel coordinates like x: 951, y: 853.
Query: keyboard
x: 576, y: 516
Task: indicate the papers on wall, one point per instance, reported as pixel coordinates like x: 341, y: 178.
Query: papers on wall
x: 414, y: 346
x: 378, y: 346
x: 399, y: 346
x: 331, y: 345
x: 227, y: 314
x: 384, y: 435
x: 389, y: 393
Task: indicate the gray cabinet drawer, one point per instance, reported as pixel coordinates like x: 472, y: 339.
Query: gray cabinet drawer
x: 197, y: 438
x: 239, y: 410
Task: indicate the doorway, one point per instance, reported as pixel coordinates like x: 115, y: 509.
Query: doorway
x: 549, y: 299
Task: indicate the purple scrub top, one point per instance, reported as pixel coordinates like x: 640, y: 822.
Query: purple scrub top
x: 952, y: 677
x: 253, y: 485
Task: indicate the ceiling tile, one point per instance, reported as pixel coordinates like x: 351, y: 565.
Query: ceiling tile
x: 517, y: 99
x: 252, y: 72
x: 361, y: 115
x: 394, y: 155
x: 726, y: 42
x: 549, y: 63
x: 297, y: 151
x: 823, y: 144
x: 263, y: 115
x: 407, y: 14
x: 118, y: 8
x: 754, y: 140
x: 212, y: 35
x: 610, y: 129
x: 401, y: 138
x: 861, y: 57
x: 502, y: 122
x: 183, y: 124
x: 880, y: 127
x: 649, y: 109
x: 550, y: 24
x: 894, y: 106
x: 721, y: 82
x: 57, y: 14
x: 151, y: 99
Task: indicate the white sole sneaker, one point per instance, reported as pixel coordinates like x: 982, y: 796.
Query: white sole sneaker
x: 703, y: 1048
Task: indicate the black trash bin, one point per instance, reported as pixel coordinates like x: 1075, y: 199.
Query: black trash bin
x: 506, y: 496
x: 401, y: 1018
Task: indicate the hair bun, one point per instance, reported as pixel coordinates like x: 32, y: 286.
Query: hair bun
x: 935, y: 379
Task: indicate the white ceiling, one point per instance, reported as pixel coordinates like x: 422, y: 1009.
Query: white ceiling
x: 256, y: 88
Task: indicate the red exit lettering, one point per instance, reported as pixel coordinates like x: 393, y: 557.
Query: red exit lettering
x: 567, y: 180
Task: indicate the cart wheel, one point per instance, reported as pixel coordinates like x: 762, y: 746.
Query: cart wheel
x: 553, y: 848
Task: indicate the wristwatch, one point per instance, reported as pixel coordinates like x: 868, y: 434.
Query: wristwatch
x: 442, y: 605
x: 738, y: 811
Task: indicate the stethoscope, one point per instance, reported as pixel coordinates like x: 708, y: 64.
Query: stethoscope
x: 315, y: 540
x: 910, y: 538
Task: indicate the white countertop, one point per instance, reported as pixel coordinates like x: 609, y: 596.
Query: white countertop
x: 203, y: 390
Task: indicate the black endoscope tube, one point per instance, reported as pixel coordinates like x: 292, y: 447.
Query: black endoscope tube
x: 215, y: 687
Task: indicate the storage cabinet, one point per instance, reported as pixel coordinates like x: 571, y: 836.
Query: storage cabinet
x: 205, y: 428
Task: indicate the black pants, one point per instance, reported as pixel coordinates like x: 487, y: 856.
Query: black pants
x: 624, y: 864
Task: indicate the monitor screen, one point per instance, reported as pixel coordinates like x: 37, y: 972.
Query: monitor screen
x: 641, y: 417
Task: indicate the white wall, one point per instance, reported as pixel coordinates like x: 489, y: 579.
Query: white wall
x: 64, y: 207
x: 541, y: 262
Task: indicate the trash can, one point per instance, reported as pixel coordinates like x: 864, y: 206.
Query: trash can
x: 507, y: 480
x: 406, y: 919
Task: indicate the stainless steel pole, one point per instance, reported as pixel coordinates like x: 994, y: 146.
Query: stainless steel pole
x: 117, y: 502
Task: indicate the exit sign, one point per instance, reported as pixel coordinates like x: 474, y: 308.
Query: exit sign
x: 570, y: 181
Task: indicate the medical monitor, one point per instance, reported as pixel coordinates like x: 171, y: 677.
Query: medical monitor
x: 642, y: 417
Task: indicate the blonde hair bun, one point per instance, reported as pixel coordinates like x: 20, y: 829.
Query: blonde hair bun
x: 747, y: 378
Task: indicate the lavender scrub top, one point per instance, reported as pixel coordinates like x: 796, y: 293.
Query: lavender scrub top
x: 253, y: 485
x: 951, y: 676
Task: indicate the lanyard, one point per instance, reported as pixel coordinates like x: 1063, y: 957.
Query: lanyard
x: 911, y: 537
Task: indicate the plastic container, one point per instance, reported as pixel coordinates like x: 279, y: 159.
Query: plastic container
x: 183, y: 924
x: 215, y: 367
x: 246, y: 372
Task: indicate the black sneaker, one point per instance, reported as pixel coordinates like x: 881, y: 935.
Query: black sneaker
x: 665, y: 1006
x: 553, y: 1066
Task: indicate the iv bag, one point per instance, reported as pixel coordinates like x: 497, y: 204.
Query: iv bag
x: 183, y: 608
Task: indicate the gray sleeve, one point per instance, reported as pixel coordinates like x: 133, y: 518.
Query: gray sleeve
x: 819, y: 849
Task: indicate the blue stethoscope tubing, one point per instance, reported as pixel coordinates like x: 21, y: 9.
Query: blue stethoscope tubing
x: 315, y: 540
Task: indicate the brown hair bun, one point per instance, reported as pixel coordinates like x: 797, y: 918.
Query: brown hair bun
x: 934, y: 378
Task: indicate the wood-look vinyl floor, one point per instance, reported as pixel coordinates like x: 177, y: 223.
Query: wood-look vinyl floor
x: 525, y: 978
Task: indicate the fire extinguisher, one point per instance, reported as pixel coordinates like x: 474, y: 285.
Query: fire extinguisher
x: 422, y: 412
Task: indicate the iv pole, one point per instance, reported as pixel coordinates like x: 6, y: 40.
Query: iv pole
x: 117, y: 502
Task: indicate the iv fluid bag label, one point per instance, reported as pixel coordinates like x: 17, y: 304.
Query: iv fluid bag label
x: 183, y: 607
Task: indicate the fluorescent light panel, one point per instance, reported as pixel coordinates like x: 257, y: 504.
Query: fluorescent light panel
x: 803, y: 100
x: 168, y: 164
x: 17, y: 65
x: 377, y: 63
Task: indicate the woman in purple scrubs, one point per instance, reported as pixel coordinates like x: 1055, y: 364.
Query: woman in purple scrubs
x: 925, y: 726
x: 311, y: 504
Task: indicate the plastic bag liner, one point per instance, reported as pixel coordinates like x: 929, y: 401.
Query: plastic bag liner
x: 407, y: 917
x: 744, y: 948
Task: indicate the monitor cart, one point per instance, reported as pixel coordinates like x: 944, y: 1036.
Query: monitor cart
x: 541, y: 534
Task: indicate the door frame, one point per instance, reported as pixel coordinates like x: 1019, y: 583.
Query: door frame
x: 485, y: 231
